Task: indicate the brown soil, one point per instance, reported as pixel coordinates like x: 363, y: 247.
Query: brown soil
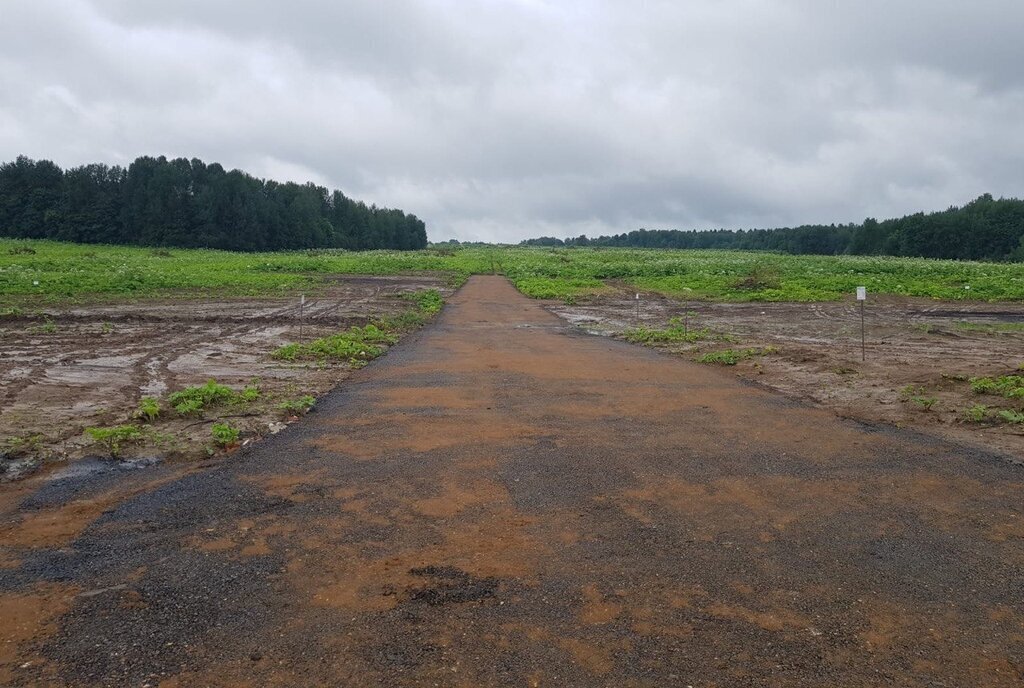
x: 503, y: 500
x: 915, y: 349
x: 101, y: 359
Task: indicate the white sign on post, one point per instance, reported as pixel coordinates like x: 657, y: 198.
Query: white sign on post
x: 862, y: 293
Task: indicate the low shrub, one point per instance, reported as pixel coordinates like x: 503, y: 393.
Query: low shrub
x: 114, y: 438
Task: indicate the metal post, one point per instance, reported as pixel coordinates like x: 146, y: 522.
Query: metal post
x: 302, y: 311
x: 638, y: 308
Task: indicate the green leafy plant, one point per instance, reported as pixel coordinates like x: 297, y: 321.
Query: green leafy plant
x: 224, y: 435
x: 1012, y: 417
x: 357, y: 345
x: 926, y: 403
x: 192, y: 400
x: 731, y: 357
x: 107, y: 328
x: 22, y: 446
x: 297, y: 406
x: 48, y: 326
x: 977, y: 413
x: 760, y: 277
x: 149, y: 408
x: 1008, y: 386
x: 910, y: 391
x: 428, y: 301
x: 114, y: 438
x: 677, y: 331
x: 249, y: 394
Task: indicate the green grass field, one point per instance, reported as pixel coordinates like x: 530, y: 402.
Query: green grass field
x: 45, y: 271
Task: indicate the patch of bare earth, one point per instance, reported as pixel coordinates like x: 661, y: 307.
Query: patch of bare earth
x: 919, y: 356
x: 89, y: 365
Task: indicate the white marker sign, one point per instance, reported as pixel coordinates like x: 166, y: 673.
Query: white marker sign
x: 638, y: 297
x: 862, y: 293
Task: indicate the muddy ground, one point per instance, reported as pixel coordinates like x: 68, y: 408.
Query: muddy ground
x: 917, y: 350
x: 503, y: 500
x: 65, y: 369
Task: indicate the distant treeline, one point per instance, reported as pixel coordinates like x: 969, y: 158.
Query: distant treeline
x: 161, y: 202
x: 984, y: 229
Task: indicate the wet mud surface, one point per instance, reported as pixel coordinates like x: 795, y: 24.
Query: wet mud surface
x: 914, y: 348
x: 65, y: 369
x: 504, y: 500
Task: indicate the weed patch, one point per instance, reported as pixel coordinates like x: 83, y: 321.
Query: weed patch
x: 15, y: 447
x: 677, y: 331
x: 191, y: 401
x: 1007, y: 386
x: 355, y: 346
x: 297, y: 406
x: 731, y: 357
x: 224, y: 435
x: 149, y: 409
x: 114, y: 438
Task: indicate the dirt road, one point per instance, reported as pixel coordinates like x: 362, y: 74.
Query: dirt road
x: 504, y: 501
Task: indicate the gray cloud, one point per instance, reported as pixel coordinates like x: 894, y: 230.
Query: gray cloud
x: 499, y: 119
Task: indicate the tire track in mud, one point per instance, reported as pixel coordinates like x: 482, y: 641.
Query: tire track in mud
x: 504, y: 501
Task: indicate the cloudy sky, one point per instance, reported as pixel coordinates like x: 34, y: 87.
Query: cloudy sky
x: 502, y: 119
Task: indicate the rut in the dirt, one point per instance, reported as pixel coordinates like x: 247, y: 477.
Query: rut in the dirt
x: 504, y: 501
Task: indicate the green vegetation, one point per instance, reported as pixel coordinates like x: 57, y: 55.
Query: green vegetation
x: 977, y: 413
x: 192, y: 401
x: 985, y: 228
x: 14, y: 447
x: 355, y: 346
x: 58, y: 271
x: 149, y: 408
x: 114, y: 438
x: 48, y: 327
x: 224, y: 435
x: 161, y: 202
x: 297, y: 406
x: 429, y: 301
x: 677, y: 331
x: 1005, y: 386
x: 926, y: 403
x: 1008, y: 386
x: 731, y: 357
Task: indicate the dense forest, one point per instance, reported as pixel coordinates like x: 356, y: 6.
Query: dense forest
x: 984, y: 229
x: 161, y: 202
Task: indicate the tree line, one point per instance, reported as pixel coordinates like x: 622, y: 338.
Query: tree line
x: 984, y: 229
x: 188, y: 203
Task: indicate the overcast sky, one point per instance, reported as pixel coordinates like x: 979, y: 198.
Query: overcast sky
x: 502, y: 119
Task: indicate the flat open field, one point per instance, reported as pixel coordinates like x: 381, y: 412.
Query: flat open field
x: 920, y: 353
x: 504, y: 500
x: 71, y: 366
